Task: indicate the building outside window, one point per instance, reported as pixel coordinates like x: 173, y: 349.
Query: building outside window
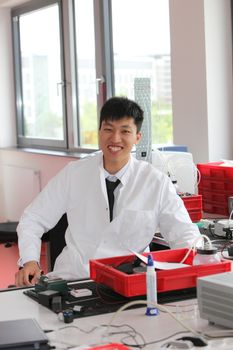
x: 72, y: 55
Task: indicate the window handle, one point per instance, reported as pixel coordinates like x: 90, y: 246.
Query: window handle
x: 63, y: 84
x: 100, y: 84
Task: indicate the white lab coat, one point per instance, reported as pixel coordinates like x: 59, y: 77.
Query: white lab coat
x: 146, y: 200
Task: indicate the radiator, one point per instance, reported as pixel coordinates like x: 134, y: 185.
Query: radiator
x: 20, y: 187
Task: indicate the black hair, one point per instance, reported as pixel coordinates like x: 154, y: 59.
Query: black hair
x: 120, y: 107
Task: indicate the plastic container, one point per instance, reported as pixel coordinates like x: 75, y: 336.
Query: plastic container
x: 104, y: 271
x: 206, y: 256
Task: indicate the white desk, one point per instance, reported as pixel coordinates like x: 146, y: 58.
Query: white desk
x: 16, y: 305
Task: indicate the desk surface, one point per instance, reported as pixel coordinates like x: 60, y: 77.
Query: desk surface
x: 16, y: 305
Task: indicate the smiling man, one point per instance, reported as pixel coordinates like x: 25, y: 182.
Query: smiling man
x: 119, y: 132
x: 114, y: 203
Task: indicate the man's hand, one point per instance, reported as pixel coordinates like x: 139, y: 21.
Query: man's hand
x: 28, y: 275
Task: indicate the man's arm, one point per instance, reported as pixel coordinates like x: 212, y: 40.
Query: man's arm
x: 175, y: 223
x: 39, y: 217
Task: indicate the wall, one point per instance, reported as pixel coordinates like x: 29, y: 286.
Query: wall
x: 189, y: 76
x: 219, y: 78
x: 46, y: 164
x: 201, y: 57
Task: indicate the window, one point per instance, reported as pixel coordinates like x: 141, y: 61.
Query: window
x: 40, y: 96
x: 71, y: 55
x: 143, y: 51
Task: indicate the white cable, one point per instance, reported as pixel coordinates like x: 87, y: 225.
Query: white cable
x: 173, y: 166
x: 198, y: 177
x: 230, y: 215
x: 193, y: 247
x: 160, y: 307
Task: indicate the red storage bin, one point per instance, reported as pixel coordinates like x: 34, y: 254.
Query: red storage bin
x: 105, y: 271
x: 195, y: 215
x: 193, y: 204
x: 216, y: 185
x: 216, y: 208
x: 193, y: 201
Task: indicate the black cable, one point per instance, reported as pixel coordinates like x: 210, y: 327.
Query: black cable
x: 130, y: 333
x: 155, y: 341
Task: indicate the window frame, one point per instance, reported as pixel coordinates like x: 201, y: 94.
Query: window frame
x: 23, y: 141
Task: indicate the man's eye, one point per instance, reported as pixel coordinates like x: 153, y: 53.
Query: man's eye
x: 107, y: 129
x: 126, y: 132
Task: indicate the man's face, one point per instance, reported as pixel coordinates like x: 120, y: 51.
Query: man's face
x: 116, y: 139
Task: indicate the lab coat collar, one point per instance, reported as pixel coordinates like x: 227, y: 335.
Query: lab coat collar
x: 126, y: 169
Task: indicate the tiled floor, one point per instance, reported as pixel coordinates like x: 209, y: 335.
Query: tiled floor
x: 8, y: 263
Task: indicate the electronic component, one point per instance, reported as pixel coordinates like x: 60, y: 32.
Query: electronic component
x: 215, y: 298
x: 79, y: 293
x: 45, y: 297
x: 78, y: 308
x: 207, y: 223
x: 230, y: 250
x: 55, y: 284
x: 224, y: 228
x: 56, y: 303
x: 68, y: 316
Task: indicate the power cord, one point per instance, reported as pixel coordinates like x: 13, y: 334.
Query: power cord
x: 160, y: 307
x: 196, y: 334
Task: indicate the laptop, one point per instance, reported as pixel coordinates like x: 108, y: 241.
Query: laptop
x: 24, y: 334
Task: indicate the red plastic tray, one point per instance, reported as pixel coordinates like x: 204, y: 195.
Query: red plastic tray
x: 214, y: 196
x: 104, y: 271
x: 216, y: 170
x: 215, y: 185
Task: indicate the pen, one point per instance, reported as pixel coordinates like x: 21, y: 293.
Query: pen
x: 151, y: 288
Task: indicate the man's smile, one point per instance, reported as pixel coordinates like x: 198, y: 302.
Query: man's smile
x: 113, y: 148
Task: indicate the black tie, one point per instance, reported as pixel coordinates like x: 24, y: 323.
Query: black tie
x: 110, y: 189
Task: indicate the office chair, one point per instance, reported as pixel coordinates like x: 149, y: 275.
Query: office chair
x: 56, y: 239
x: 8, y: 233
